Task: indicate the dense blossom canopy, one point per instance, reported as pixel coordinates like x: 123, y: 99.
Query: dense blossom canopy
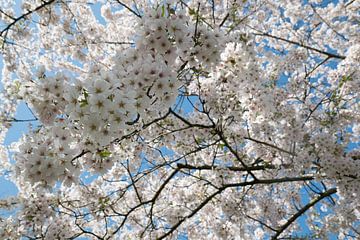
x: 182, y: 119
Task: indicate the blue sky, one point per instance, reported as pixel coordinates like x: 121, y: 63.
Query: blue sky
x: 8, y: 188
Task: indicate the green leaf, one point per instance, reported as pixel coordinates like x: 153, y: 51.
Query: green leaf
x: 163, y: 10
x: 86, y: 94
x: 221, y: 145
x: 191, y: 11
x: 17, y: 86
x: 104, y: 153
x: 83, y: 103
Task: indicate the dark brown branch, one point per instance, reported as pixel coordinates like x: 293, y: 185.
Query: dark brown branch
x: 188, y: 122
x: 262, y: 223
x: 200, y: 17
x: 327, y: 24
x: 23, y: 16
x: 270, y: 145
x: 235, y: 169
x: 196, y: 24
x: 128, y: 8
x: 224, y: 20
x: 79, y: 155
x: 158, y: 192
x: 300, y: 45
x: 316, y: 67
x: 234, y: 152
x: 19, y: 120
x: 349, y: 3
x: 87, y: 232
x: 224, y: 187
x: 203, y: 204
x: 213, y: 11
x: 9, y: 16
x: 302, y: 211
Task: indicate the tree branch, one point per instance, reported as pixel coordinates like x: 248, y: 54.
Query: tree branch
x: 331, y: 55
x: 23, y: 16
x: 235, y: 169
x: 128, y: 8
x: 302, y: 211
x: 225, y: 186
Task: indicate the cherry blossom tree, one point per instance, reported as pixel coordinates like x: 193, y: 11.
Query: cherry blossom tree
x: 182, y: 119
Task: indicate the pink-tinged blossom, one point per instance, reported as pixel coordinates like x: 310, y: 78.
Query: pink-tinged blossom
x: 214, y: 119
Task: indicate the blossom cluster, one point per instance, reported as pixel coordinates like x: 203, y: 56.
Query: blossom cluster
x: 338, y: 164
x: 44, y: 94
x: 143, y: 80
x: 158, y: 118
x: 46, y: 157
